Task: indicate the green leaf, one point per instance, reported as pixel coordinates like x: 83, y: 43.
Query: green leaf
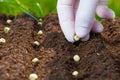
x: 115, y: 5
x: 8, y: 7
x: 39, y: 8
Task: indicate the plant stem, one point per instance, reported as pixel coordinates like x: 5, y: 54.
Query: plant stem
x: 26, y: 12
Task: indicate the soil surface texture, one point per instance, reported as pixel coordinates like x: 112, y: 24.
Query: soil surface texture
x: 99, y: 56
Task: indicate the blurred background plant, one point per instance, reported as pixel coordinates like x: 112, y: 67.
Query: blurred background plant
x: 40, y: 8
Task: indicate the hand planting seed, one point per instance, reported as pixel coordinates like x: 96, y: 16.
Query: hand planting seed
x: 40, y: 32
x: 2, y: 40
x: 6, y: 29
x: 76, y: 58
x: 76, y: 38
x: 75, y: 73
x: 35, y: 60
x: 9, y: 21
x: 33, y: 76
x: 37, y: 43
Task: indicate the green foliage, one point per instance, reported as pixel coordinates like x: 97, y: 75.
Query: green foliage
x: 115, y: 5
x: 9, y: 7
x: 40, y: 8
x: 37, y: 7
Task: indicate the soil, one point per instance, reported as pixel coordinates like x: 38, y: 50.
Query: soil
x: 99, y: 57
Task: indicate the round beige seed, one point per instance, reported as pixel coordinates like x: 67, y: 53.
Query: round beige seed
x: 6, y: 29
x: 33, y: 76
x: 76, y: 58
x: 75, y: 73
x: 35, y: 60
x: 9, y: 21
x: 40, y: 32
x: 2, y: 40
x: 40, y: 20
x: 76, y: 38
x: 40, y: 23
x: 37, y: 43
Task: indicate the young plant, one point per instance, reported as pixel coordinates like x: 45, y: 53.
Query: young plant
x: 76, y: 38
x: 35, y: 60
x: 75, y: 73
x: 6, y: 29
x: 33, y: 76
x: 2, y: 40
x: 76, y: 58
x: 40, y: 32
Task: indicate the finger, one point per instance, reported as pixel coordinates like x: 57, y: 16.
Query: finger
x: 76, y: 4
x: 97, y: 27
x: 103, y: 11
x: 86, y: 38
x: 85, y: 17
x: 66, y: 18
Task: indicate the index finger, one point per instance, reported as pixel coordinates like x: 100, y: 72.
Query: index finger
x: 66, y: 18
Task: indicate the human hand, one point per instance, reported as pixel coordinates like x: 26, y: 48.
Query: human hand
x: 77, y: 17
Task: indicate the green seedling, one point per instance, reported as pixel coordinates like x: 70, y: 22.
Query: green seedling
x: 35, y: 60
x: 2, y: 40
x: 33, y: 76
x: 76, y: 38
x: 6, y: 29
x: 36, y: 43
x: 75, y: 73
x: 40, y: 32
x: 76, y: 58
x: 9, y: 21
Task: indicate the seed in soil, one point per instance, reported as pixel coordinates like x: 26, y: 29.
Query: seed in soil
x: 98, y: 54
x: 35, y: 60
x: 76, y: 38
x: 33, y: 76
x: 2, y: 40
x: 75, y: 73
x: 40, y: 20
x: 36, y: 43
x: 6, y: 29
x: 9, y: 21
x: 40, y: 23
x: 40, y: 32
x: 76, y: 58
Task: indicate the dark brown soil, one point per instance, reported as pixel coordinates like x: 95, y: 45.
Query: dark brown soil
x: 100, y: 56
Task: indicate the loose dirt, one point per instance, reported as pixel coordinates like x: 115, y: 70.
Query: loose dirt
x: 99, y: 57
